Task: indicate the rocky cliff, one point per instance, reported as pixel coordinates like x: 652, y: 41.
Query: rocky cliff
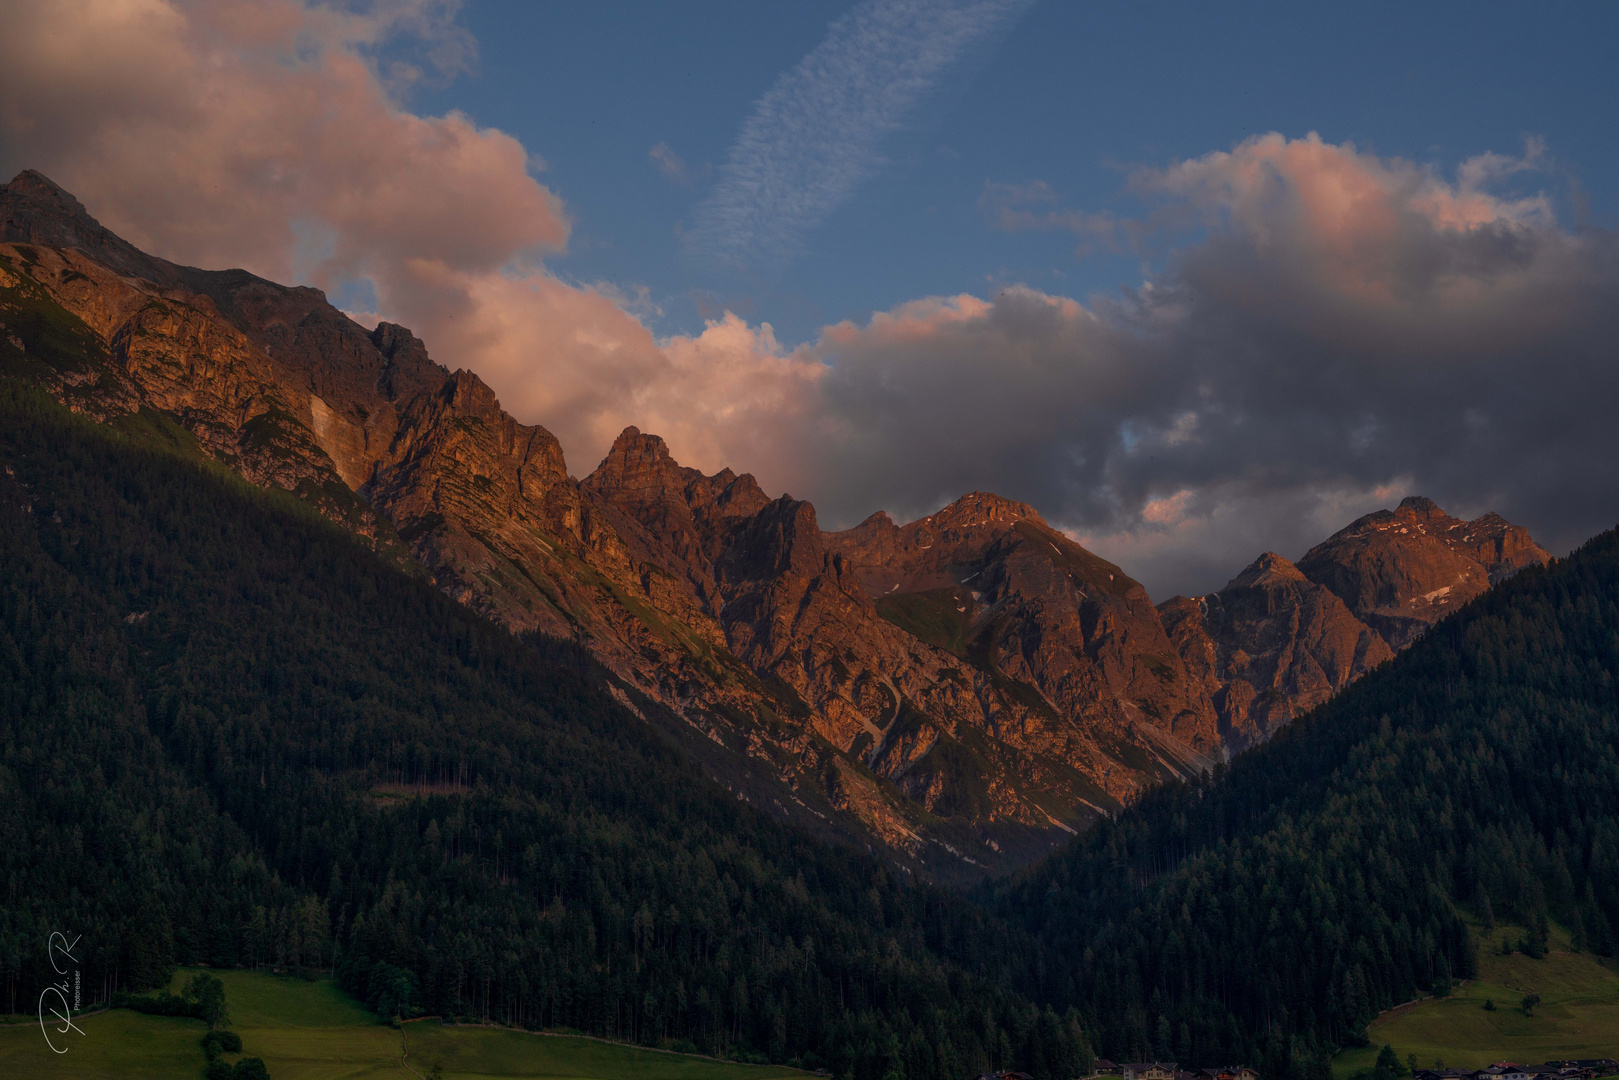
x: 956, y: 738
x: 1269, y: 646
x: 990, y: 581
x: 962, y: 691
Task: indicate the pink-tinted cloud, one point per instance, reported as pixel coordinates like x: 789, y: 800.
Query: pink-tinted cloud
x: 668, y: 162
x: 216, y: 134
x: 265, y: 135
x: 1033, y: 207
x: 575, y: 360
x: 1358, y: 224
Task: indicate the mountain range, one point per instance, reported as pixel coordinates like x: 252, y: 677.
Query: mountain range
x: 960, y: 693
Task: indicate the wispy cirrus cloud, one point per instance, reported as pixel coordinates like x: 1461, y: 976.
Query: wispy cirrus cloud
x: 817, y: 133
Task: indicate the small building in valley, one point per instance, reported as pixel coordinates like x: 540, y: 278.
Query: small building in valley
x: 1228, y: 1072
x: 1148, y: 1070
x: 1583, y: 1067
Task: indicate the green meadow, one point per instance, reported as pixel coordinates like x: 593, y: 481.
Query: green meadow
x: 1578, y: 1014
x: 313, y: 1031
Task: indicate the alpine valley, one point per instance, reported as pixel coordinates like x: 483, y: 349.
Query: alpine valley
x: 959, y: 694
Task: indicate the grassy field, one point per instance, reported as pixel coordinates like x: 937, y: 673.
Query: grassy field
x: 1578, y: 1014
x: 313, y: 1031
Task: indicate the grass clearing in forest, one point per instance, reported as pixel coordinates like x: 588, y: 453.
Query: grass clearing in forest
x: 1578, y: 1014
x: 311, y: 1030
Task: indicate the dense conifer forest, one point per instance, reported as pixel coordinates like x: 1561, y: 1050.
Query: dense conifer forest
x: 230, y: 735
x: 1268, y: 913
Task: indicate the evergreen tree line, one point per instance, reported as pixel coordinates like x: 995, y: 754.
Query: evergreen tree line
x: 1268, y: 912
x: 230, y: 735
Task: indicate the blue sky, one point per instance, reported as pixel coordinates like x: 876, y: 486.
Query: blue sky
x: 1072, y: 95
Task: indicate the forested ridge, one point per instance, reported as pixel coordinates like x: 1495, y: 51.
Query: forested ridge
x: 231, y: 735
x: 1268, y: 913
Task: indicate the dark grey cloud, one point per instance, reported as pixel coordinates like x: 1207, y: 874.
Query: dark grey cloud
x: 1348, y: 331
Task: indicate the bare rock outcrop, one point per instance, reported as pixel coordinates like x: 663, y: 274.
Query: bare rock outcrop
x: 793, y: 609
x: 1269, y: 646
x: 988, y: 579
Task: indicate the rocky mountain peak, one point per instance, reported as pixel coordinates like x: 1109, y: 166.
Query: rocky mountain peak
x: 735, y: 495
x: 36, y: 210
x: 1420, y: 508
x: 780, y: 541
x: 637, y: 460
x: 394, y: 341
x: 639, y: 475
x: 1269, y: 646
x: 640, y: 472
x: 1269, y: 569
x: 925, y: 553
x: 1402, y: 570
x: 979, y: 508
x: 975, y: 666
x: 471, y: 395
x: 36, y: 186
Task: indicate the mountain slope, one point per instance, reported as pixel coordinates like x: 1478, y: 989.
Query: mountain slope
x: 233, y: 735
x: 960, y: 739
x: 1269, y: 914
x: 1042, y: 610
